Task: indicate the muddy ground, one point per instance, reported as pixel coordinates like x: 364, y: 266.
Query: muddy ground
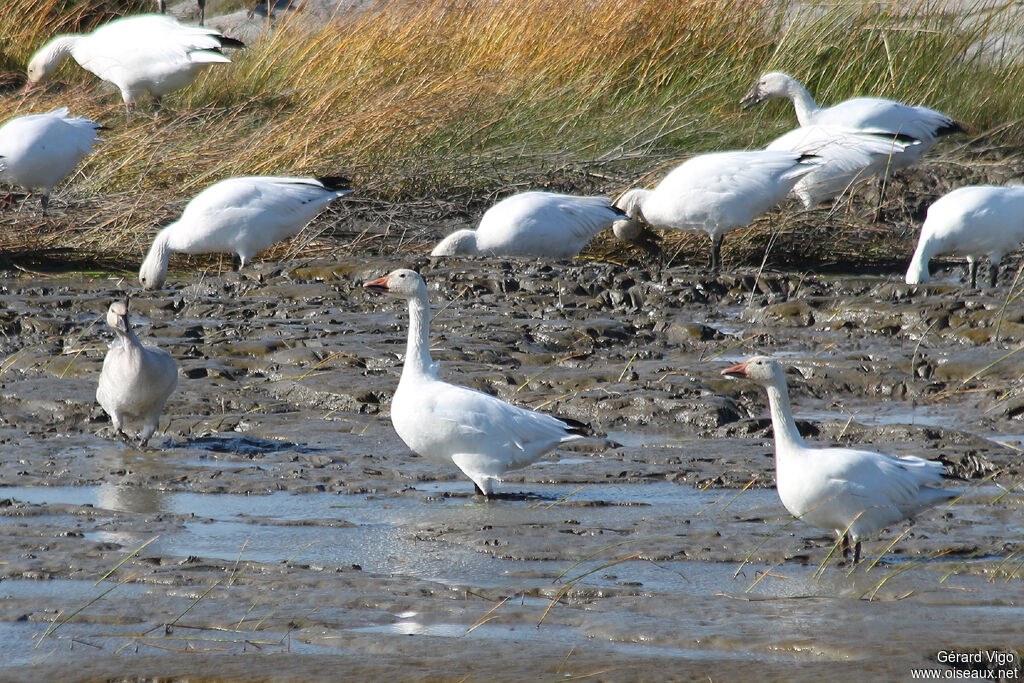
x: 279, y: 529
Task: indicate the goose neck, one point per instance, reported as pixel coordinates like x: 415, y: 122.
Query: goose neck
x: 417, y: 351
x: 787, y: 436
x: 803, y: 102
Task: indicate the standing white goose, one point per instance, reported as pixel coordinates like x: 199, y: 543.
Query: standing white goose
x: 148, y: 53
x: 483, y: 435
x: 241, y: 216
x: 540, y: 224
x: 38, y: 151
x: 136, y: 380
x: 846, y: 156
x: 850, y: 492
x: 863, y: 113
x: 973, y: 221
x: 715, y: 194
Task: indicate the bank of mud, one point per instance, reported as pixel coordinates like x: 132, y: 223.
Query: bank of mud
x: 313, y: 542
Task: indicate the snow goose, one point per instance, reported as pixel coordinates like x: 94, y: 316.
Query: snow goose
x: 714, y: 193
x: 148, y: 53
x: 846, y: 157
x: 241, y: 216
x: 136, y: 380
x: 483, y: 435
x: 38, y: 151
x: 863, y: 113
x: 534, y: 224
x: 973, y: 221
x: 851, y: 492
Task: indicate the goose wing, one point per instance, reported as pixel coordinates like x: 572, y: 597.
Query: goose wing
x: 477, y: 423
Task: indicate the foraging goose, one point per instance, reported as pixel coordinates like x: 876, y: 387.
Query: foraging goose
x: 851, y: 492
x: 483, y: 435
x: 846, y: 155
x: 862, y: 113
x: 714, y: 193
x: 136, y: 380
x: 148, y: 53
x: 534, y: 224
x: 241, y: 216
x: 973, y: 221
x: 38, y: 151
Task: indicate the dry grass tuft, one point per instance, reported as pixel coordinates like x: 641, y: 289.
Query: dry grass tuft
x: 450, y: 104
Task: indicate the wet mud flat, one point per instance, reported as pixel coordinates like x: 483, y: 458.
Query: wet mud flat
x: 280, y: 529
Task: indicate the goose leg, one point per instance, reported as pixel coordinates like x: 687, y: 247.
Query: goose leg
x: 881, y: 199
x: 993, y: 274
x: 202, y: 11
x: 236, y: 263
x: 856, y: 553
x: 44, y: 199
x: 844, y: 546
x: 972, y: 271
x: 479, y: 491
x: 716, y: 253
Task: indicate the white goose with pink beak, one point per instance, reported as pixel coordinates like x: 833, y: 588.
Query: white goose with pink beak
x: 850, y: 492
x: 483, y: 435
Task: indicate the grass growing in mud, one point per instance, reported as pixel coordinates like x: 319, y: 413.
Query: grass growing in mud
x: 440, y: 106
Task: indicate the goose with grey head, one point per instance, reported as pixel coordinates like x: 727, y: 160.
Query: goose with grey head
x: 714, y: 194
x: 136, y: 380
x: 481, y: 434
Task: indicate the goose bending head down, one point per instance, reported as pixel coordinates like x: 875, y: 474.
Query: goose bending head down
x: 714, y: 194
x: 973, y: 221
x: 143, y: 54
x: 136, y: 380
x: 853, y: 493
x: 534, y: 224
x: 240, y: 216
x: 38, y: 151
x: 481, y: 434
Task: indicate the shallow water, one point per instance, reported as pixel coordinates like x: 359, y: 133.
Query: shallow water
x: 288, y: 520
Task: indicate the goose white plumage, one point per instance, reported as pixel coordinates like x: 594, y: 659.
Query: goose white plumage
x: 846, y: 156
x: 715, y: 194
x: 862, y: 113
x: 483, y: 435
x: 241, y: 216
x: 148, y: 53
x: 38, y: 151
x: 136, y: 380
x: 853, y: 493
x: 534, y: 224
x: 973, y: 221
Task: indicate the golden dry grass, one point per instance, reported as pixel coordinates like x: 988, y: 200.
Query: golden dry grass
x: 453, y: 102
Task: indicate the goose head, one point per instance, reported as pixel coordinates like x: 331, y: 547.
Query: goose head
x: 773, y: 84
x: 459, y: 242
x: 402, y: 283
x: 117, y: 316
x: 761, y: 369
x: 46, y: 60
x: 630, y: 229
